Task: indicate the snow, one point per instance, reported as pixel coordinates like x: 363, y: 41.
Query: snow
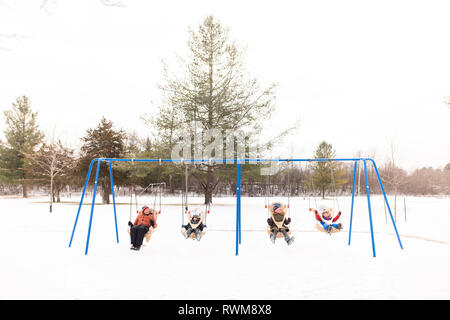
x: 37, y: 263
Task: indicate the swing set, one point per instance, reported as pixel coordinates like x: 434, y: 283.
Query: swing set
x: 238, y: 163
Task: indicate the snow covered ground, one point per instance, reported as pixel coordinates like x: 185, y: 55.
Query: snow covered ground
x: 36, y: 262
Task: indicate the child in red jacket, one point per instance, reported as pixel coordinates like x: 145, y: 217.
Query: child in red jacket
x: 323, y: 216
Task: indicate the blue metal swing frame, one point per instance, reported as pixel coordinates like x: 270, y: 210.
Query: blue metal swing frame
x: 238, y: 163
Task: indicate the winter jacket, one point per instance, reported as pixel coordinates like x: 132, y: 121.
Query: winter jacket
x: 200, y: 227
x: 278, y: 218
x: 326, y: 220
x: 145, y: 220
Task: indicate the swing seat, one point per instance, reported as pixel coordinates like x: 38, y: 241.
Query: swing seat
x: 194, y: 226
x: 279, y: 234
x: 147, y: 236
x: 192, y: 235
x: 319, y: 227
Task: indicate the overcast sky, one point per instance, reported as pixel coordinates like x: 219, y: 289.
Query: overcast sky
x: 358, y: 74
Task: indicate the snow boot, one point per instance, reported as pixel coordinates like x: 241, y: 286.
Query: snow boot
x: 329, y: 228
x: 339, y: 226
x: 185, y: 233
x: 290, y: 240
x: 273, y: 237
x: 198, y: 236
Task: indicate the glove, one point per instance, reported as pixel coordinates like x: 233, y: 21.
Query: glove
x: 288, y: 220
x: 130, y: 224
x: 268, y: 221
x: 152, y: 223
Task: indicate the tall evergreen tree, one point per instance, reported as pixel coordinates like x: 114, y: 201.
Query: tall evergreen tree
x: 22, y: 137
x: 325, y: 171
x: 102, y: 142
x: 212, y: 91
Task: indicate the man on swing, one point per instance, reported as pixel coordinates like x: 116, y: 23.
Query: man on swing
x: 141, y: 226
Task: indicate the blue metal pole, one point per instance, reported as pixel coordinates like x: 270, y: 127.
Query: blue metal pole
x: 81, y: 201
x: 240, y: 160
x: 92, y: 206
x: 240, y: 220
x: 370, y: 210
x: 240, y: 211
x: 114, y: 199
x: 238, y: 206
x: 353, y: 200
x: 387, y: 203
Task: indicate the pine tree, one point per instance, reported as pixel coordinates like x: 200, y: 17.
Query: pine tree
x: 22, y: 136
x: 325, y: 171
x: 213, y: 92
x: 102, y: 142
x: 3, y: 170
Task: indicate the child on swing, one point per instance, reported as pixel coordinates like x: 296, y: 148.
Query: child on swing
x: 323, y: 216
x: 278, y: 214
x: 187, y: 229
x: 145, y: 219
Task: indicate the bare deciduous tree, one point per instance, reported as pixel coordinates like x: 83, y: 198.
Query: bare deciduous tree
x: 393, y: 176
x: 51, y: 162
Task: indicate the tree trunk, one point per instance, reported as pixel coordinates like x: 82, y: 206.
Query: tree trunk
x: 171, y: 186
x: 106, y: 191
x: 208, y: 195
x: 209, y: 185
x: 395, y: 206
x: 105, y: 195
x: 24, y: 190
x: 51, y: 195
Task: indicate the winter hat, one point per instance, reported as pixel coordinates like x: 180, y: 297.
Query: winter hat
x: 276, y: 206
x: 146, y: 207
x: 279, y: 210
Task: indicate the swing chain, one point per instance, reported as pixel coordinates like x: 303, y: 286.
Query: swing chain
x: 312, y: 183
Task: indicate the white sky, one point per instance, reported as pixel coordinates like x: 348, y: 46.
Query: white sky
x: 359, y: 74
